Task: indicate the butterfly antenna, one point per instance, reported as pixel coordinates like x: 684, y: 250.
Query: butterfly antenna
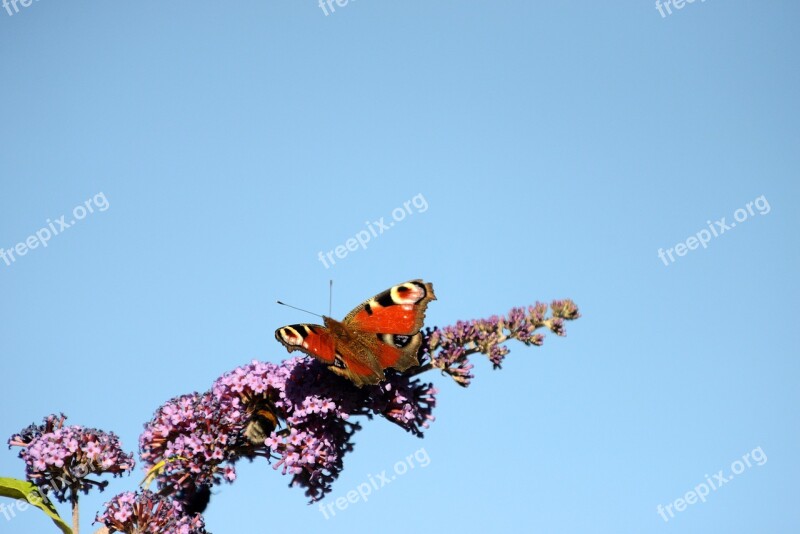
x: 300, y: 309
x: 330, y: 299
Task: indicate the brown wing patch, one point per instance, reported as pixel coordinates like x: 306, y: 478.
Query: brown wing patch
x: 358, y: 365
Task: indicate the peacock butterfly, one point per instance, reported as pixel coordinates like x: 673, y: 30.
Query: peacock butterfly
x: 382, y: 332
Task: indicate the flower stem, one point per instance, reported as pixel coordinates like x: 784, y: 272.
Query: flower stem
x: 75, y: 513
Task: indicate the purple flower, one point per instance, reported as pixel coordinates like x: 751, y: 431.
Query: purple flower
x: 296, y: 413
x: 315, y: 407
x: 59, y: 458
x: 148, y: 512
x: 487, y: 336
x: 189, y: 440
x: 301, y: 417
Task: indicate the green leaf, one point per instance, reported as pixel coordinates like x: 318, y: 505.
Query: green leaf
x: 22, y: 489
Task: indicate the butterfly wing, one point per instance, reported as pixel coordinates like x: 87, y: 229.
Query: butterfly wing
x: 389, y: 323
x: 395, y: 350
x: 313, y: 339
x: 350, y: 360
x: 398, y: 310
x: 355, y: 362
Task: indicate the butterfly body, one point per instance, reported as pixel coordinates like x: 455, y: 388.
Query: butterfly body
x: 381, y: 333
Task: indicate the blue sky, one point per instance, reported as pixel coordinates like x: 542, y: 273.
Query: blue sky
x: 557, y: 149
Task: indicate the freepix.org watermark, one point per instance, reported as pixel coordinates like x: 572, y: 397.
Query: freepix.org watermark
x: 665, y: 8
x: 375, y: 228
x: 362, y: 492
x: 9, y: 4
x: 329, y: 6
x: 703, y: 237
x: 34, y: 498
x: 702, y: 490
x: 54, y: 228
x: 38, y: 495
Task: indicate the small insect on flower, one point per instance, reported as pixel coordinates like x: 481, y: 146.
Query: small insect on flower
x: 262, y: 422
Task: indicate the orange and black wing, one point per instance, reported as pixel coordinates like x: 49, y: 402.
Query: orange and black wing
x: 398, y: 310
x: 352, y: 361
x: 313, y: 339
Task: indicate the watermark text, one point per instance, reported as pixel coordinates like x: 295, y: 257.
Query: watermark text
x: 719, y: 227
x: 702, y: 490
x: 374, y: 229
x: 665, y: 8
x: 53, y: 228
x: 362, y: 492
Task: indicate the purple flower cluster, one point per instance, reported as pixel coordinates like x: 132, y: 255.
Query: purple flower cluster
x: 147, y: 512
x: 192, y: 441
x: 59, y: 458
x: 405, y: 402
x: 300, y: 416
x: 317, y: 406
x: 487, y: 336
x: 304, y: 396
x: 195, y: 440
x: 296, y: 414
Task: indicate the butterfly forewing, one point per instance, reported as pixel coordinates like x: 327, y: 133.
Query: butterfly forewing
x: 313, y: 339
x: 398, y: 310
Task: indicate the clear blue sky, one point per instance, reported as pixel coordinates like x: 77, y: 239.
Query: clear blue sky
x: 557, y: 147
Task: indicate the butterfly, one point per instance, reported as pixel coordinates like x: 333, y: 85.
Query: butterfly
x: 382, y: 332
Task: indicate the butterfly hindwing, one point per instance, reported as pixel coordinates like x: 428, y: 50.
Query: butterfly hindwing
x: 396, y: 351
x: 356, y: 362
